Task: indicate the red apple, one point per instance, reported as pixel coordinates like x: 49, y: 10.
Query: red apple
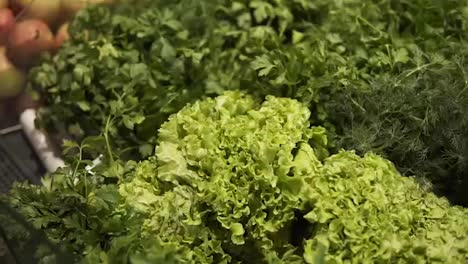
x: 7, y: 22
x: 27, y: 40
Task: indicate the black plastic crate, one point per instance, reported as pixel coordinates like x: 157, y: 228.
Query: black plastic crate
x: 18, y: 162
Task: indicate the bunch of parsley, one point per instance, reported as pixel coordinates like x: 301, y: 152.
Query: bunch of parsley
x: 126, y: 67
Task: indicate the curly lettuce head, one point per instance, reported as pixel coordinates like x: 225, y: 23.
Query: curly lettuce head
x: 239, y: 157
x: 363, y: 211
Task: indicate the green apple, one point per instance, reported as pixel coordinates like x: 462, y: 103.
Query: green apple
x: 12, y: 80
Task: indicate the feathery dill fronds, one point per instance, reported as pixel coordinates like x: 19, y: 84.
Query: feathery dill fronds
x: 420, y: 122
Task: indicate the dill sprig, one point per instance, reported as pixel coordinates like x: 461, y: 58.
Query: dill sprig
x: 417, y: 120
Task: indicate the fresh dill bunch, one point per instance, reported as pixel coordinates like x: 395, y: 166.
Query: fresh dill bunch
x: 418, y: 120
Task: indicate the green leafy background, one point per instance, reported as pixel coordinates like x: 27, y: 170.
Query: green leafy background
x: 341, y: 99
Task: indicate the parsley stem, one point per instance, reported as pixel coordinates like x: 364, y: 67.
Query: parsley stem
x: 78, y: 163
x: 419, y: 68
x: 106, y: 137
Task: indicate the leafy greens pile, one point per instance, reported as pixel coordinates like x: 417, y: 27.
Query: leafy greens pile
x: 229, y: 131
x: 238, y: 180
x: 128, y: 67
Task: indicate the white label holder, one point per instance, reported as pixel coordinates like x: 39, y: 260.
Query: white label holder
x: 40, y: 142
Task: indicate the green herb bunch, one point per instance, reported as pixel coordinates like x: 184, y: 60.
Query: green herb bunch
x: 126, y: 68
